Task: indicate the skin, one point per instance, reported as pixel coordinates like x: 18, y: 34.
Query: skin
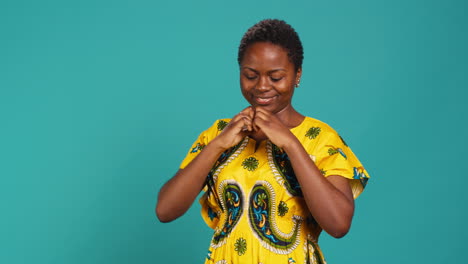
x: 267, y: 80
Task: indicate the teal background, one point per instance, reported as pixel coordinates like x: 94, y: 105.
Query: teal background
x: 100, y: 101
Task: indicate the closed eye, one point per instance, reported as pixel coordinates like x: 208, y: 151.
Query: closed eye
x: 276, y: 79
x: 250, y: 77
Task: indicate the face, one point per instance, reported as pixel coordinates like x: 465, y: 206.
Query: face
x: 267, y: 77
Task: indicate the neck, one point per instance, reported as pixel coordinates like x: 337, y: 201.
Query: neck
x: 289, y: 117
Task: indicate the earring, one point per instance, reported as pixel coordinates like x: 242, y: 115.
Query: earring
x: 297, y: 83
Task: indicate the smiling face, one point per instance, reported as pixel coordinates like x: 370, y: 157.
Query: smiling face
x: 267, y: 77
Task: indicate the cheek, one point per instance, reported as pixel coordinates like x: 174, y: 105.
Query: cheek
x: 285, y: 88
x: 246, y: 91
x: 245, y: 85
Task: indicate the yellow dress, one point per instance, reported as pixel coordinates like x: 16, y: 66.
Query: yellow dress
x: 254, y: 203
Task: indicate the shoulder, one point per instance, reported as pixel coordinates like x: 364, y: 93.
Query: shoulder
x: 313, y: 128
x: 315, y: 135
x: 219, y: 124
x: 216, y: 128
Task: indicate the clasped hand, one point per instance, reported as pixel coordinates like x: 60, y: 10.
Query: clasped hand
x: 257, y: 123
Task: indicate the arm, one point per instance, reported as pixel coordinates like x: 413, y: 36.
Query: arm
x: 177, y: 195
x: 329, y: 200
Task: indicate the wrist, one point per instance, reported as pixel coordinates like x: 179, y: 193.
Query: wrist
x: 216, y: 146
x: 291, y: 144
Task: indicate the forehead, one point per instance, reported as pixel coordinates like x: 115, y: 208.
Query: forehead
x: 266, y: 54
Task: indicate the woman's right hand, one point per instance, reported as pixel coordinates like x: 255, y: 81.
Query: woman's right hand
x: 239, y: 127
x: 176, y: 196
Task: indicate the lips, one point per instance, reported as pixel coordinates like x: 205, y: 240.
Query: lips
x: 264, y: 100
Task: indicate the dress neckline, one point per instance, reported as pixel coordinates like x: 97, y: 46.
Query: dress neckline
x: 298, y: 126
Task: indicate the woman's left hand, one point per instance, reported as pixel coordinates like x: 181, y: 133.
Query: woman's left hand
x: 272, y: 127
x: 330, y: 200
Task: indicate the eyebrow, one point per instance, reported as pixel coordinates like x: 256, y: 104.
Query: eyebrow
x: 274, y: 70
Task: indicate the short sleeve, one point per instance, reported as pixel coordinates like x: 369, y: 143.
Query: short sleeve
x: 335, y: 157
x: 203, y: 139
x: 210, y: 208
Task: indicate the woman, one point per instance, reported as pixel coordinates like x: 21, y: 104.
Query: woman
x: 273, y: 178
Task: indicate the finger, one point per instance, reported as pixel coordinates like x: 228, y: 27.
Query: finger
x: 255, y: 123
x: 236, y: 118
x: 240, y: 116
x: 260, y: 118
x: 247, y: 124
x: 262, y: 110
x: 246, y: 110
x: 236, y: 124
x: 268, y: 117
x: 241, y: 123
x: 262, y: 113
x: 256, y: 127
x: 249, y: 111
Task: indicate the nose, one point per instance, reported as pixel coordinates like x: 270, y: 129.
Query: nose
x: 263, y: 84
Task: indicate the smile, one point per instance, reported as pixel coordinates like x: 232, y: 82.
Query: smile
x: 264, y: 100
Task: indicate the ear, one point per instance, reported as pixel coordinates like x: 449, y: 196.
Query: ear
x: 298, y: 77
x: 299, y: 73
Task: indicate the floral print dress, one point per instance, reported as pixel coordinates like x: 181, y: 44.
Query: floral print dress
x: 254, y: 203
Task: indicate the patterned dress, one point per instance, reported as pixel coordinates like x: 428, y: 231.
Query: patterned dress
x: 254, y: 202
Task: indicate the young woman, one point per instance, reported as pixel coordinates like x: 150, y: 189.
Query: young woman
x: 273, y: 179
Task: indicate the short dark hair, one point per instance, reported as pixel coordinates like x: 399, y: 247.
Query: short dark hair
x: 277, y: 32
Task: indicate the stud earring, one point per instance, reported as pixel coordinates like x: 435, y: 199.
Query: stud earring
x: 297, y: 83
